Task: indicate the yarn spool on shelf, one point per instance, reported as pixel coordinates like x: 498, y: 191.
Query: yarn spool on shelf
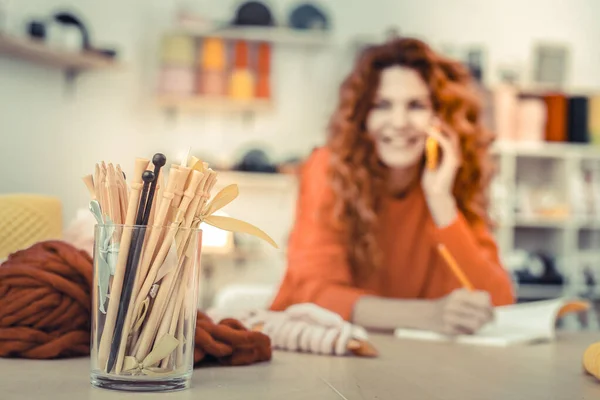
x: 263, y: 86
x: 177, y: 65
x: 241, y: 85
x: 213, y: 75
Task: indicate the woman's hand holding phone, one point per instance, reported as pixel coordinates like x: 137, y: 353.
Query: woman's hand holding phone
x: 440, y: 172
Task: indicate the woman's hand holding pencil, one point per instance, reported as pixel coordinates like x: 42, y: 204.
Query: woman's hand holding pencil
x: 461, y: 312
x: 464, y: 311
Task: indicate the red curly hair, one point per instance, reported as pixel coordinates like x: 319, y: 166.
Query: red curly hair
x: 358, y: 177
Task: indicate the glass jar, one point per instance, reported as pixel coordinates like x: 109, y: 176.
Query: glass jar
x: 144, y: 307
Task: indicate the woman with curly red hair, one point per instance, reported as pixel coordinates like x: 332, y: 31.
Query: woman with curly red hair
x: 370, y: 216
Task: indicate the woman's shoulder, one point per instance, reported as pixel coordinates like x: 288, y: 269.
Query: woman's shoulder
x: 314, y: 174
x: 318, y: 159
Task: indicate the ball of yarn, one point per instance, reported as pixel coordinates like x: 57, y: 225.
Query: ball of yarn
x: 45, y: 302
x: 591, y: 360
x: 229, y: 342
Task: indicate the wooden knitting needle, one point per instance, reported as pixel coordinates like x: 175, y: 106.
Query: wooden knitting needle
x: 153, y: 241
x: 185, y: 173
x: 208, y: 181
x: 114, y: 202
x: 190, y: 195
x: 135, y: 250
x: 212, y: 181
x: 160, y: 187
x: 187, y: 309
x: 99, y: 189
x: 89, y: 184
x: 105, y: 194
x: 123, y: 192
x: 156, y: 266
x: 172, y: 322
x: 169, y: 321
x: 190, y: 214
x: 149, y: 330
x: 184, y: 331
x: 97, y: 179
x: 116, y: 288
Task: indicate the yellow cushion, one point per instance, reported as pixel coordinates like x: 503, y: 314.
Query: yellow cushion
x: 26, y: 219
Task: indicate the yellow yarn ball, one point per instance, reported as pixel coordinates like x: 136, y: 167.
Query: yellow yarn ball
x: 591, y: 360
x: 26, y: 219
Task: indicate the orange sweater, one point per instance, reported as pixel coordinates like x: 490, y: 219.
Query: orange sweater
x: 318, y: 270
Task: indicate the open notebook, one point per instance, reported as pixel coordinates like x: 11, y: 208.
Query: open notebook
x: 514, y: 324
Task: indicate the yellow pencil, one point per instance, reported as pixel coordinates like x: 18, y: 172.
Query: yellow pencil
x: 454, y: 267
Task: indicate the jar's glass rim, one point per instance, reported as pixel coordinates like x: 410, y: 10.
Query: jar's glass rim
x: 144, y: 226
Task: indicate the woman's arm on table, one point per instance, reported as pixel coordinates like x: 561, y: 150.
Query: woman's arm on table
x: 318, y: 271
x: 459, y: 312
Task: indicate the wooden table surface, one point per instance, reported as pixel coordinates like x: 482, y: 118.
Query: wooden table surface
x: 405, y: 370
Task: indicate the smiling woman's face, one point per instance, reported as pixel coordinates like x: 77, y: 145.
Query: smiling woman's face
x: 401, y: 113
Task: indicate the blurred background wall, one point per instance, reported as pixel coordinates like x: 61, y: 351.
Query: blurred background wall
x: 54, y: 130
x: 113, y: 113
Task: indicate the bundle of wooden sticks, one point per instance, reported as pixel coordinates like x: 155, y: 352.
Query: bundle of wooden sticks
x: 147, y: 246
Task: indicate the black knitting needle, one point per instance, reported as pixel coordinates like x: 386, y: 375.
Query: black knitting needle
x: 159, y: 160
x: 133, y: 259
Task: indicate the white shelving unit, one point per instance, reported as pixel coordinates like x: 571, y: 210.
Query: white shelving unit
x: 569, y: 233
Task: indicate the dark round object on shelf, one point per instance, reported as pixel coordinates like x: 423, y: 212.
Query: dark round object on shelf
x: 308, y: 17
x: 36, y: 30
x: 255, y: 160
x: 68, y: 18
x: 253, y: 13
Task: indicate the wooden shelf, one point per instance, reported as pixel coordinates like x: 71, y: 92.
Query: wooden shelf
x: 199, y: 103
x: 589, y: 225
x: 263, y: 34
x: 541, y: 90
x: 534, y: 292
x: 547, y: 150
x: 39, y: 53
x: 541, y: 222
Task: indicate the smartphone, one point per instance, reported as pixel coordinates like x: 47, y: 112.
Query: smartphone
x: 432, y: 153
